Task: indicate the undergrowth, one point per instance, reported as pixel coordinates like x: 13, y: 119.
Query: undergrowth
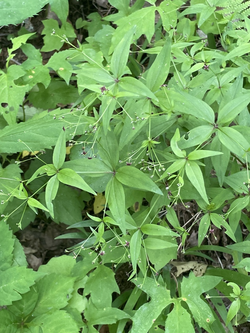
x: 146, y: 114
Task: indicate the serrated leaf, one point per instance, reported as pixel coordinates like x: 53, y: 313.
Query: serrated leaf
x: 70, y: 177
x: 53, y: 293
x: 195, y: 176
x: 12, y: 95
x: 119, y: 58
x: 15, y: 281
x: 59, y: 320
x: 146, y: 315
x: 132, y: 177
x: 6, y: 246
x: 11, y: 14
x: 100, y: 285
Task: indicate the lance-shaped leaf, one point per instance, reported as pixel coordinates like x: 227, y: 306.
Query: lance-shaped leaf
x: 157, y: 230
x: 33, y: 203
x: 106, y: 111
x: 233, y: 140
x: 120, y: 56
x: 135, y: 87
x: 195, y: 176
x: 158, y: 72
x: 70, y: 177
x: 60, y: 151
x: 132, y: 177
x: 115, y: 196
x: 174, y: 144
x: 199, y: 154
x: 229, y: 111
x: 135, y: 248
x: 188, y: 104
x: 203, y: 228
x: 50, y: 193
x: 146, y: 315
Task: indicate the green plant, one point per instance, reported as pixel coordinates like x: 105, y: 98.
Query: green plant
x: 155, y: 114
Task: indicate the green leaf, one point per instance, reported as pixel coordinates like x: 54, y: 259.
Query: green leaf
x: 199, y: 154
x: 188, y: 104
x: 132, y: 177
x: 244, y: 263
x: 135, y: 87
x: 50, y: 193
x: 59, y: 151
x: 218, y: 221
x: 15, y: 281
x: 115, y: 196
x: 59, y: 62
x: 195, y: 176
x: 6, y: 246
x: 53, y: 293
x: 61, y: 8
x: 233, y: 140
x: 11, y: 14
x: 229, y: 111
x: 176, y: 166
x: 174, y: 144
x: 51, y: 322
x: 233, y: 310
x: 179, y: 320
x: 70, y: 177
x: 135, y: 248
x: 157, y: 230
x: 242, y: 247
x: 100, y: 285
x: 152, y: 243
x: 238, y: 51
x: 106, y: 111
x: 68, y: 205
x: 191, y: 289
x: 119, y: 58
x: 196, y: 136
x: 145, y: 316
x: 105, y: 315
x: 33, y: 203
x: 203, y: 228
x: 220, y: 163
x: 158, y: 72
x: 11, y: 94
x: 143, y: 19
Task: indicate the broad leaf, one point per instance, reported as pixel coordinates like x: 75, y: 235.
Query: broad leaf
x: 199, y: 154
x: 11, y: 14
x: 100, y: 285
x: 157, y: 230
x: 135, y: 88
x: 146, y: 315
x: 139, y: 179
x: 233, y: 140
x: 179, y: 320
x: 15, y: 281
x: 220, y: 163
x: 6, y: 247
